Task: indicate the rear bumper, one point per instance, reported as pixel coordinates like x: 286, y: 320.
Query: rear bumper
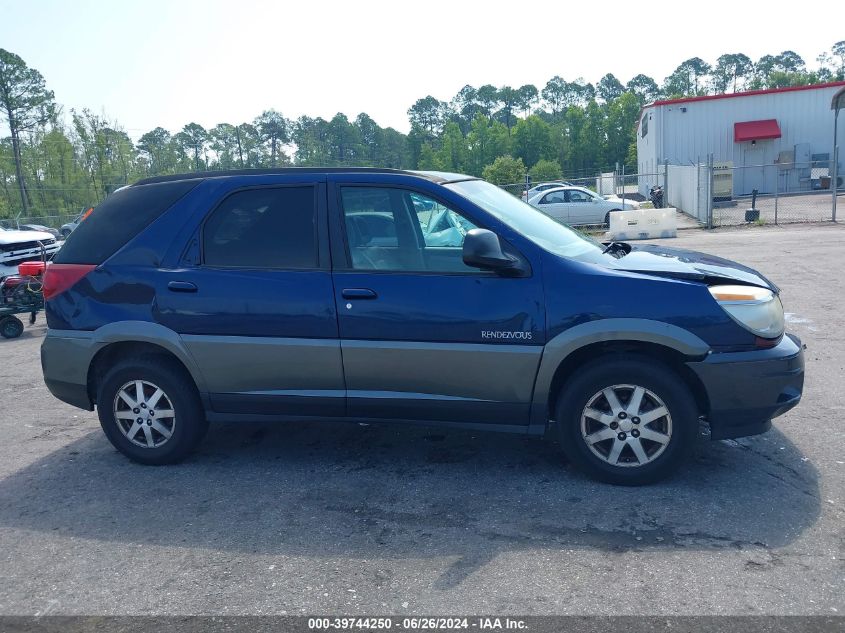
x: 65, y: 360
x: 745, y: 390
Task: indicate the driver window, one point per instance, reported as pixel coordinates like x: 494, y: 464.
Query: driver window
x: 399, y: 230
x: 440, y: 226
x: 578, y: 196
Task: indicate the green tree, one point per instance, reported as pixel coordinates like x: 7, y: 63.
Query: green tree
x: 223, y: 140
x: 452, y: 154
x: 729, y: 69
x: 464, y: 105
x: 644, y: 88
x: 429, y: 114
x: 505, y: 170
x: 26, y: 104
x: 156, y: 145
x: 509, y: 98
x: 838, y: 51
x: 609, y: 88
x: 533, y: 140
x: 527, y: 97
x: 544, y: 170
x: 620, y: 128
x: 556, y: 94
x: 427, y: 160
x: 194, y: 137
x: 107, y: 153
x: 488, y: 99
x: 343, y: 140
x: 486, y: 141
x: 686, y: 79
x: 273, y: 130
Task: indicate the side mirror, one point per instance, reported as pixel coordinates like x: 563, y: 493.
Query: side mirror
x: 482, y: 249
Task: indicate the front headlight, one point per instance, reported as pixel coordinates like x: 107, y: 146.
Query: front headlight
x: 756, y: 309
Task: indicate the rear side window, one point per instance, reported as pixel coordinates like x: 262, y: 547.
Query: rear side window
x: 263, y: 228
x: 118, y: 219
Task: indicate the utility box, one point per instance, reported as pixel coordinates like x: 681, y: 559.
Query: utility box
x: 723, y: 181
x: 643, y: 224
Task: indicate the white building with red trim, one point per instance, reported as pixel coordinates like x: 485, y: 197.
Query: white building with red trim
x: 782, y: 139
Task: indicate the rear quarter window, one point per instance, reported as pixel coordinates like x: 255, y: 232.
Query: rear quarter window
x: 118, y: 219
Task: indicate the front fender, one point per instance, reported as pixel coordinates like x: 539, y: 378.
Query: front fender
x: 601, y: 330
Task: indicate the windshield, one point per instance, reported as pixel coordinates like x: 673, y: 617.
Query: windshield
x: 525, y: 219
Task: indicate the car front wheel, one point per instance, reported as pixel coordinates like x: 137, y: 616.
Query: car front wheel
x: 627, y: 420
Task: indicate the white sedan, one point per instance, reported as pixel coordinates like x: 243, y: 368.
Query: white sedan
x: 577, y: 205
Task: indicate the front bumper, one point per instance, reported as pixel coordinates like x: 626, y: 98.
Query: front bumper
x: 745, y: 390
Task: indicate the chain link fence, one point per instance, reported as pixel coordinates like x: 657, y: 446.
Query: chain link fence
x: 772, y: 194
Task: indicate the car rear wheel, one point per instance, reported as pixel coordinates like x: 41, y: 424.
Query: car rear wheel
x: 627, y: 420
x: 150, y: 410
x: 607, y: 217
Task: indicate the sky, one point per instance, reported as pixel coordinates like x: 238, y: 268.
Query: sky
x: 167, y: 63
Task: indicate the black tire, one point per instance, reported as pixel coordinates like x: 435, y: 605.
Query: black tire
x: 11, y: 327
x: 188, y: 423
x: 607, y: 219
x: 65, y: 233
x: 634, y: 370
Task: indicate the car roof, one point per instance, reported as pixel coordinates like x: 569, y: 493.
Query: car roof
x: 562, y: 188
x: 439, y: 177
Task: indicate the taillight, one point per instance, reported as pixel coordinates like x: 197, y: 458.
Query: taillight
x: 60, y: 277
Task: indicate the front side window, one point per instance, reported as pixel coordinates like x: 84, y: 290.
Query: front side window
x: 263, y: 228
x: 579, y: 196
x: 400, y: 230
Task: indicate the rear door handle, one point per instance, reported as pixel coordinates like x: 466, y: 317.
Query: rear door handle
x: 182, y: 286
x: 358, y: 293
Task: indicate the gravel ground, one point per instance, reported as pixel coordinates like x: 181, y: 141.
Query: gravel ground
x: 320, y: 518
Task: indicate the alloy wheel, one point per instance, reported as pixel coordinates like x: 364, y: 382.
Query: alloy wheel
x: 626, y: 425
x: 144, y: 414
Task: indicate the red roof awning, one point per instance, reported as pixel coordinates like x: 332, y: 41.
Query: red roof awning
x: 756, y: 130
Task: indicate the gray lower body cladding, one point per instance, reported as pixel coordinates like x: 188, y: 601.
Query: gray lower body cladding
x: 439, y: 382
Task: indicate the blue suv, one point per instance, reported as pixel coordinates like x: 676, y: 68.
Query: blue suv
x: 408, y: 297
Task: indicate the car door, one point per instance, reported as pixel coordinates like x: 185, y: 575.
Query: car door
x: 583, y: 209
x: 555, y: 205
x: 423, y: 336
x: 252, y: 299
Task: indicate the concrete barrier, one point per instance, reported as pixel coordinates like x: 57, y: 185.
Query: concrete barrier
x: 643, y: 224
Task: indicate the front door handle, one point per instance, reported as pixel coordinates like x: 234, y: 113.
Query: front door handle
x: 358, y: 293
x: 182, y: 286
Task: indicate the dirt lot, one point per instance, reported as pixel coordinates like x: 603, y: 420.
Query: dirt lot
x: 318, y: 518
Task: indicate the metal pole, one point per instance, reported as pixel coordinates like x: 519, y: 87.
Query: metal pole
x: 710, y: 191
x: 777, y: 190
x: 698, y: 190
x: 623, y: 186
x: 835, y: 178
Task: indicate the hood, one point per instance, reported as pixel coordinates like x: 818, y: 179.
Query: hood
x: 683, y: 264
x: 618, y: 200
x: 15, y: 237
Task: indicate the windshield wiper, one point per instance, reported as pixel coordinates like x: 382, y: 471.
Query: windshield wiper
x: 618, y: 249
